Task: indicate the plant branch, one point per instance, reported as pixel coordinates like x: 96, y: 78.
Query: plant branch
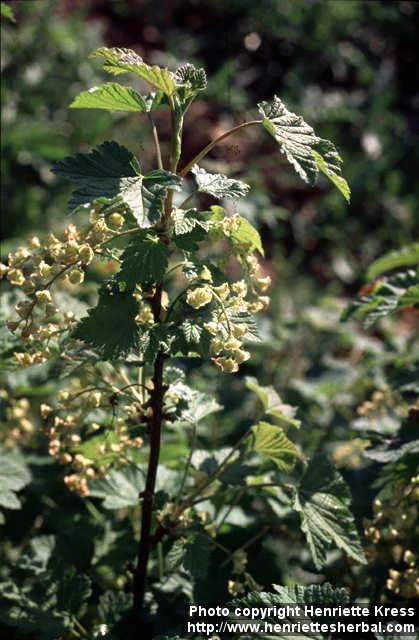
x: 188, y: 464
x: 156, y: 141
x: 212, y: 144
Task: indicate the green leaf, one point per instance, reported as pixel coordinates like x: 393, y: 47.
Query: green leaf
x: 14, y: 475
x: 247, y: 235
x: 7, y: 12
x: 386, y: 297
x: 74, y: 590
x: 218, y: 185
x: 155, y: 186
x: 196, y: 557
x: 405, y: 257
x: 302, y: 148
x: 144, y: 261
x: 270, y: 441
x: 273, y: 404
x: 323, y: 501
x: 384, y: 454
x: 191, y: 330
x: 119, y: 60
x: 184, y: 221
x: 199, y: 405
x: 110, y: 171
x: 319, y: 595
x: 119, y: 488
x: 39, y: 554
x: 111, y: 96
x: 110, y: 327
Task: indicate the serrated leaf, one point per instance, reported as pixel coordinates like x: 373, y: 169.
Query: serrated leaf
x: 199, y: 405
x: 191, y: 330
x: 112, y: 97
x: 14, y: 476
x: 323, y: 501
x: 74, y: 590
x: 119, y: 60
x: 184, y: 221
x: 270, y: 441
x: 296, y: 595
x: 246, y: 234
x: 405, y: 257
x: 112, y: 173
x: 110, y: 327
x: 302, y: 148
x: 273, y: 404
x: 144, y: 261
x: 196, y: 556
x: 218, y: 185
x: 119, y: 488
x: 40, y: 551
x: 386, y: 297
x: 385, y: 454
x: 155, y: 187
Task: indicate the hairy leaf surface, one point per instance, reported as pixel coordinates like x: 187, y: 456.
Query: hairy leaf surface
x: 119, y: 60
x: 270, y: 441
x: 323, y: 501
x: 218, y: 185
x: 302, y: 148
x: 111, y: 96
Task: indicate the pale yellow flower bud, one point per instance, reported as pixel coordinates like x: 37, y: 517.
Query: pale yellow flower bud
x: 75, y: 276
x: 45, y: 410
x: 115, y: 221
x: 264, y: 301
x: 227, y: 365
x: 253, y: 264
x: 44, y: 269
x: 255, y: 307
x: 263, y: 284
x: 239, y: 330
x: 34, y: 243
x: 240, y: 288
x: 86, y: 254
x: 16, y: 277
x: 216, y: 346
x: 211, y: 327
x: 205, y: 274
x: 232, y: 344
x: 222, y: 291
x: 241, y: 356
x: 199, y: 297
x: 43, y: 295
x: 3, y: 270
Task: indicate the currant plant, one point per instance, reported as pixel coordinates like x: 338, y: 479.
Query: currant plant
x: 176, y: 282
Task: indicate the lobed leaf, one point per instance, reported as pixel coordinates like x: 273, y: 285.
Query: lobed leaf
x: 270, y: 441
x: 302, y: 148
x: 386, y: 297
x: 14, y: 475
x: 112, y: 172
x: 405, y: 257
x: 273, y: 404
x: 119, y: 60
x: 218, y: 185
x: 323, y: 501
x: 144, y: 261
x: 111, y: 96
x: 248, y: 235
x: 110, y: 327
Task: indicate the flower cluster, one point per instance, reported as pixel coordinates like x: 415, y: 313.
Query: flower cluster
x: 392, y: 532
x: 35, y: 268
x: 231, y: 304
x: 18, y: 426
x: 82, y: 434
